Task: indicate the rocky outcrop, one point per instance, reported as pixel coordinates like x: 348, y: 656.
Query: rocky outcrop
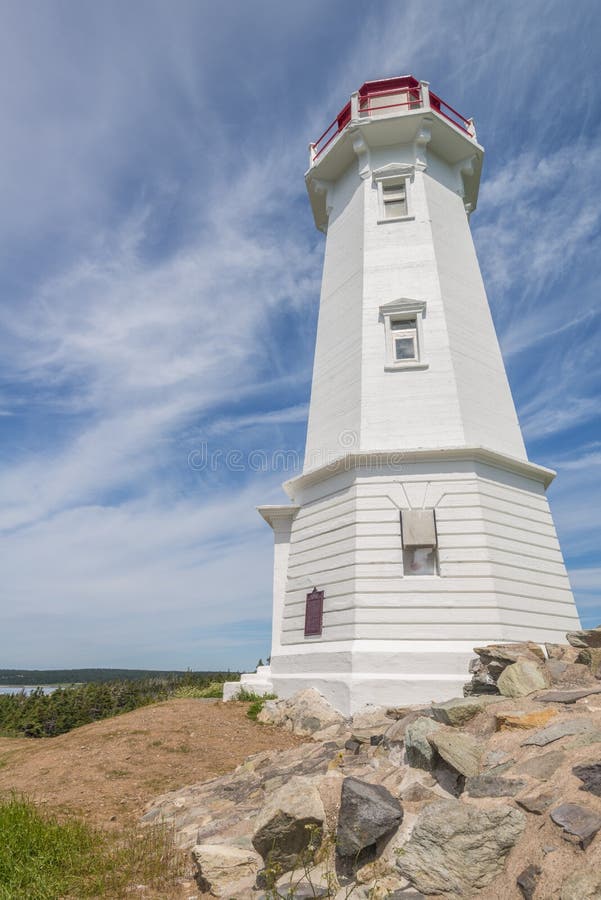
x: 494, y: 795
x: 305, y: 713
x: 522, y: 678
x: 222, y: 868
x: 590, y: 638
x: 291, y: 819
x: 368, y: 812
x: 462, y: 752
x: 420, y: 753
x: 456, y: 849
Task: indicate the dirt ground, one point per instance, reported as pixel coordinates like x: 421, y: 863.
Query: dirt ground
x: 108, y: 771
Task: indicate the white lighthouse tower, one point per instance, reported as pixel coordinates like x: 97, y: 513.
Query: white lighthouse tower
x: 418, y: 527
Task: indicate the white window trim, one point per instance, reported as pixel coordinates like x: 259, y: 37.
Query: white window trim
x: 394, y: 174
x: 403, y: 309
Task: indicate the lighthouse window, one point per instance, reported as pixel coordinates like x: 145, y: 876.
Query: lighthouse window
x: 404, y: 336
x: 394, y: 198
x: 404, y: 340
x: 420, y: 541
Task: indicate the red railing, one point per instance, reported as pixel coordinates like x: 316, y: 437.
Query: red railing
x: 333, y: 129
x: 391, y: 88
x: 449, y: 113
x: 413, y: 101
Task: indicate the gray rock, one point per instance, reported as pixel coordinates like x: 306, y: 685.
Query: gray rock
x: 564, y: 652
x: 456, y: 848
x: 522, y: 678
x: 367, y: 813
x: 569, y: 674
x: 287, y: 823
x: 541, y: 767
x: 557, y: 731
x: 420, y: 754
x: 583, y: 740
x: 590, y: 775
x: 493, y: 786
x: 591, y: 658
x: 370, y: 717
x: 578, y: 821
x: 497, y: 758
x: 567, y: 696
x: 537, y: 802
x: 527, y: 880
x: 460, y: 710
x: 304, y: 713
x: 221, y: 866
x: 509, y: 653
x: 588, y: 638
x: 395, y: 733
x: 582, y: 885
x: 461, y: 751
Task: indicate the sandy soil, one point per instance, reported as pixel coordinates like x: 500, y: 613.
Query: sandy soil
x: 108, y: 771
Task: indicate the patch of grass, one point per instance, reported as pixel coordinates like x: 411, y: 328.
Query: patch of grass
x: 44, y: 858
x: 179, y: 748
x: 193, y: 692
x: 256, y: 701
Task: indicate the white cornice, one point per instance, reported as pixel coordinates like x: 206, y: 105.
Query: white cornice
x: 394, y: 170
x: 402, y: 305
x: 364, y: 458
x: 277, y: 514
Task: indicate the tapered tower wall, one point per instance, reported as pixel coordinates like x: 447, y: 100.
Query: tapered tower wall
x: 432, y: 437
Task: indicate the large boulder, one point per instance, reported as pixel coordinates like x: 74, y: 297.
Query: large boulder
x: 522, y: 678
x: 223, y: 868
x: 591, y: 658
x: 367, y: 813
x: 457, y: 849
x: 292, y: 819
x: 493, y: 660
x: 578, y: 822
x: 590, y: 637
x: 459, y: 710
x: 462, y: 752
x: 420, y: 753
x: 304, y: 713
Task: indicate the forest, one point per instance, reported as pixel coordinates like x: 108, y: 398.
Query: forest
x: 46, y: 714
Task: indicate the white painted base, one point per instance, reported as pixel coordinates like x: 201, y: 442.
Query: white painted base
x: 351, y: 675
x: 258, y: 682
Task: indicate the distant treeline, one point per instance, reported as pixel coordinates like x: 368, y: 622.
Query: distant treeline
x: 45, y: 715
x: 34, y: 677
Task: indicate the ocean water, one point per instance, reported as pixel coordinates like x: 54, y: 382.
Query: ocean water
x: 14, y: 689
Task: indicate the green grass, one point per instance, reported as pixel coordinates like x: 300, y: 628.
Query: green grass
x: 42, y: 858
x: 256, y: 701
x: 214, y: 690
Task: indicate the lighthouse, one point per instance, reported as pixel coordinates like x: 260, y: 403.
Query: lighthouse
x: 418, y: 527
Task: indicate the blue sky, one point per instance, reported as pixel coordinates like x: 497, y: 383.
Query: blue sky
x: 160, y: 277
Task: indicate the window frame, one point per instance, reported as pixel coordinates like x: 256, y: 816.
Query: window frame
x: 409, y: 311
x: 392, y: 174
x: 392, y: 190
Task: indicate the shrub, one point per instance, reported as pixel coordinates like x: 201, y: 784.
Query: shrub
x: 40, y: 714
